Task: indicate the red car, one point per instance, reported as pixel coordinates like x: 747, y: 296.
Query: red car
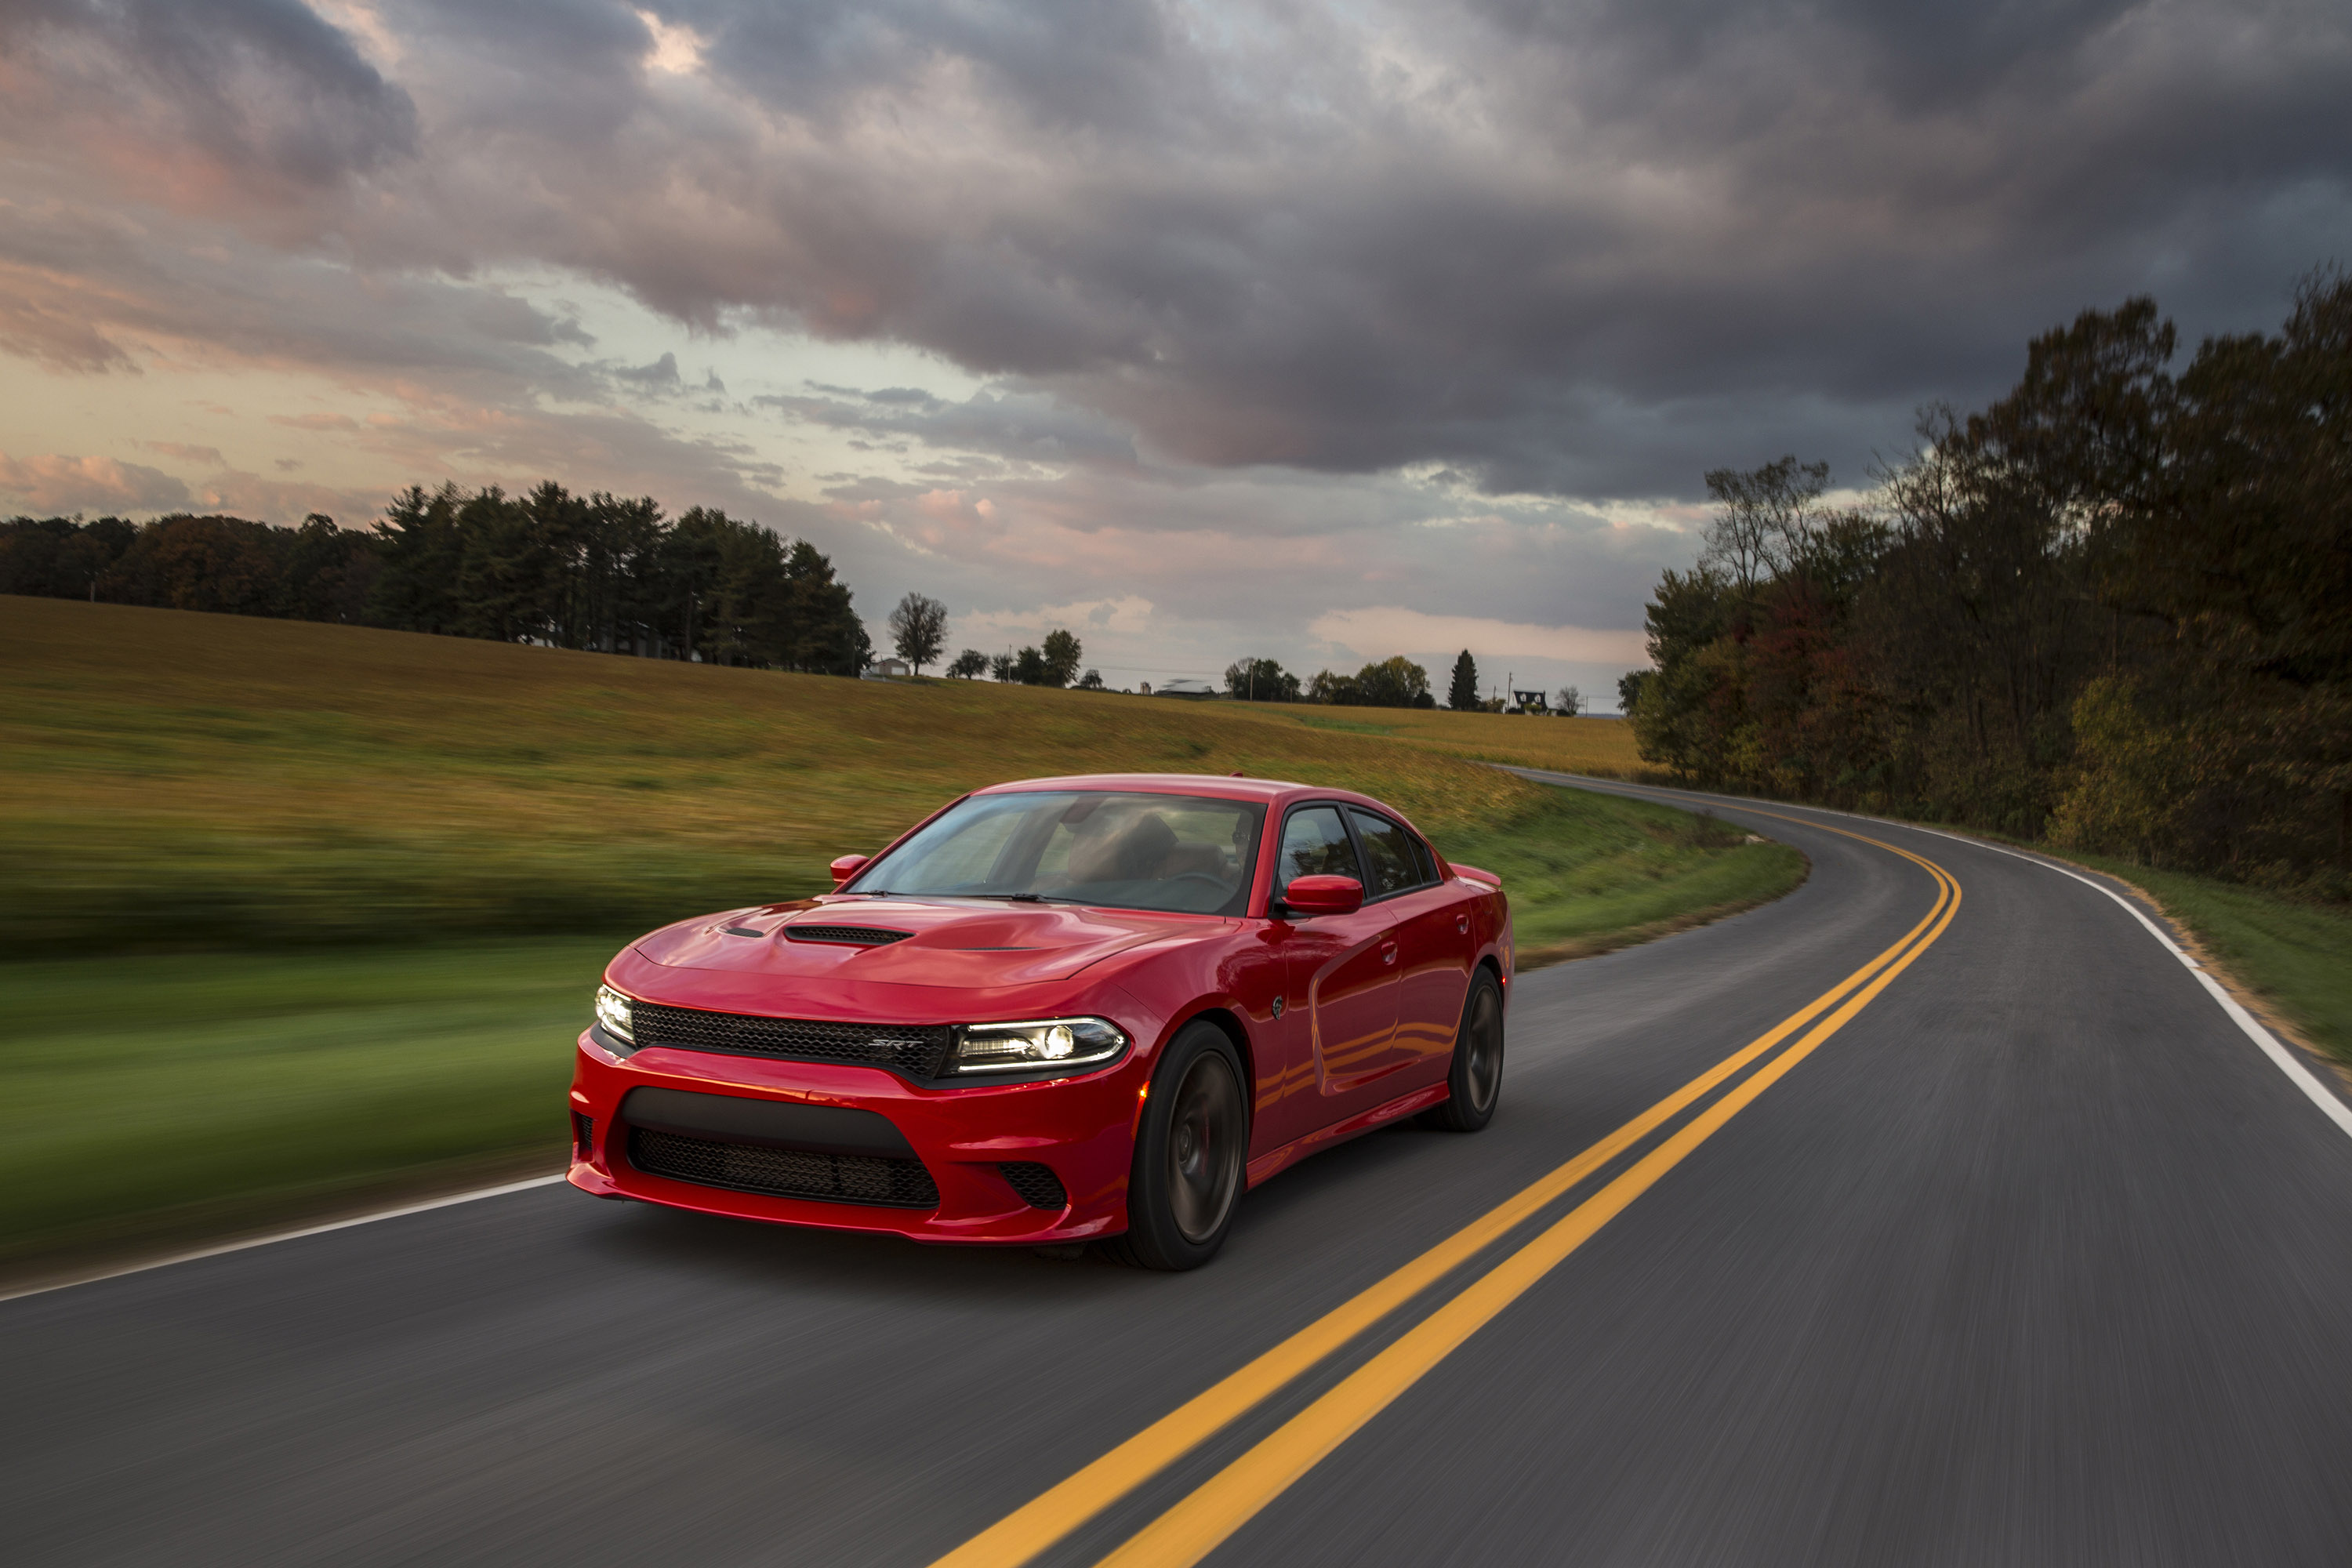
x: 1055, y: 1012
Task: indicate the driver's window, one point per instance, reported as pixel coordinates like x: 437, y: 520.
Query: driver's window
x: 1315, y: 844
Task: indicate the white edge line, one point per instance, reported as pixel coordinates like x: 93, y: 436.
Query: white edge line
x: 2273, y: 1048
x: 272, y: 1239
x: 2288, y: 1063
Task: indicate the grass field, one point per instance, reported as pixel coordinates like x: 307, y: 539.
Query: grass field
x: 304, y: 912
x: 172, y: 779
x: 156, y: 1099
x: 1600, y: 747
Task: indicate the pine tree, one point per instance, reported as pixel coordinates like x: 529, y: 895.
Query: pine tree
x: 1461, y: 695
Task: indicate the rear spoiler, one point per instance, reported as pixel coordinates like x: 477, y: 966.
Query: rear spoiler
x: 1475, y: 875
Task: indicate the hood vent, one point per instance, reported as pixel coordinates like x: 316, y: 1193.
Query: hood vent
x: 852, y: 936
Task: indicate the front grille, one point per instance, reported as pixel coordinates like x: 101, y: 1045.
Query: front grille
x: 583, y: 1136
x: 1037, y: 1184
x: 783, y: 1173
x: 915, y: 1050
x: 856, y: 936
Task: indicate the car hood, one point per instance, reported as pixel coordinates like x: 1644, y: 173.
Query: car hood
x: 962, y: 944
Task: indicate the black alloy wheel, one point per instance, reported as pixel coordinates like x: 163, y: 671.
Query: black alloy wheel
x: 1474, y: 1084
x: 1190, y: 1158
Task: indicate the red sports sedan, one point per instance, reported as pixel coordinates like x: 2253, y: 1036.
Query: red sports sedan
x: 1059, y: 1011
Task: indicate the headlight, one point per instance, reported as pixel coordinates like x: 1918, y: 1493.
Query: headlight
x: 1037, y: 1043
x: 613, y: 1013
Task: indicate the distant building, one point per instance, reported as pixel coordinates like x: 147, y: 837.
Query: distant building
x: 887, y: 669
x: 1184, y: 689
x: 1530, y: 701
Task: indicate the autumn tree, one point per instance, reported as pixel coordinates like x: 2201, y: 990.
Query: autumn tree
x: 2109, y: 607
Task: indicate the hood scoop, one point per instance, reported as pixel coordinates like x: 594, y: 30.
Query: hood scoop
x: 847, y: 936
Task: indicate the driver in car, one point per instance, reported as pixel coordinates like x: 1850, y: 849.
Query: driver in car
x: 1139, y: 848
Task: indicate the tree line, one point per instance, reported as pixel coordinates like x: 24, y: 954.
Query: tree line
x: 1394, y: 682
x: 918, y: 628
x: 2114, y: 609
x: 596, y: 571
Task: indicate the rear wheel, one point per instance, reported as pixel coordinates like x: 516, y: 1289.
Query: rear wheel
x: 1190, y: 1155
x: 1475, y: 1082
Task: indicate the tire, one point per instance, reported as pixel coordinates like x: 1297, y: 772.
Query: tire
x: 1191, y: 1155
x: 1475, y: 1079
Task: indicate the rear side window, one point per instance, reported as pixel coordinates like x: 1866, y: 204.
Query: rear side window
x: 1389, y: 849
x: 1423, y: 859
x: 1315, y: 844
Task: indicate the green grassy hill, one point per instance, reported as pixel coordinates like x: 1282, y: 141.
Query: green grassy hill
x: 301, y: 913
x: 172, y: 779
x: 1600, y: 747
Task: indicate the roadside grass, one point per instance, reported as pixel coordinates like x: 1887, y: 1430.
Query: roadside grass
x: 1595, y: 872
x: 159, y: 1098
x: 303, y: 916
x: 2296, y: 957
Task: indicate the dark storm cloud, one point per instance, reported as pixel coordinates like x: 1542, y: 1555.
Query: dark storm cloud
x: 1585, y: 249
x: 264, y: 87
x: 1567, y: 248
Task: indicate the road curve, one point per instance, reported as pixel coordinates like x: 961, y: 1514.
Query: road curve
x: 2033, y: 1258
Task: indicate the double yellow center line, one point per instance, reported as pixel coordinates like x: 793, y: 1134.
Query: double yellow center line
x: 1197, y: 1525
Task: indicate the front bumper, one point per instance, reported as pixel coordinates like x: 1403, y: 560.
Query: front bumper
x: 1081, y: 1128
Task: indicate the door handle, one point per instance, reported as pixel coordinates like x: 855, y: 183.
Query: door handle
x: 1387, y: 952
x: 1462, y: 924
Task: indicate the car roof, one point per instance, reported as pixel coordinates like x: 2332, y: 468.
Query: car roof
x: 1220, y: 786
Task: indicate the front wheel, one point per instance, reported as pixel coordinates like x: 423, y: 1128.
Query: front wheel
x: 1475, y: 1082
x: 1190, y: 1155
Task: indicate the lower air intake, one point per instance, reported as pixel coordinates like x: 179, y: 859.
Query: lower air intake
x: 583, y: 1137
x: 784, y: 1173
x: 1037, y: 1184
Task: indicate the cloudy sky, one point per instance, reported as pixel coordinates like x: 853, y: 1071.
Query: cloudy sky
x: 1320, y: 331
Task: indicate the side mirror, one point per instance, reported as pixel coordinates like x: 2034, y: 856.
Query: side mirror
x: 849, y: 865
x: 1324, y: 895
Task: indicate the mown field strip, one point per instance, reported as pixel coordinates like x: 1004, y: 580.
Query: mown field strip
x: 1037, y: 1525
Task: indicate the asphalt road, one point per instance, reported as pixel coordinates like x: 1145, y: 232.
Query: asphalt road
x: 2036, y: 1260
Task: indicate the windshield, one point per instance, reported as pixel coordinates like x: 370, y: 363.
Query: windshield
x: 1180, y: 853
